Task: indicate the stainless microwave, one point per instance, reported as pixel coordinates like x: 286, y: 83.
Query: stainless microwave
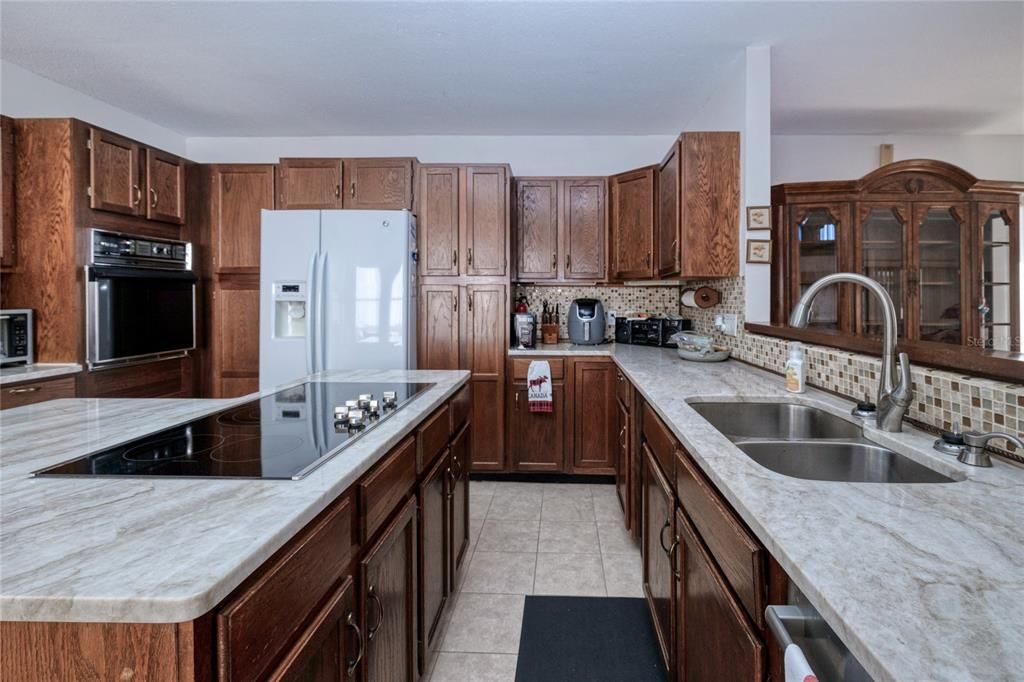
x: 16, y: 337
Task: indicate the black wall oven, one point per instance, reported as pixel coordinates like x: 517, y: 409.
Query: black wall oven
x: 140, y: 300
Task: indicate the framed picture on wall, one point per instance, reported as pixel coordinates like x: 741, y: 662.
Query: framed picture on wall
x: 759, y: 217
x: 759, y: 251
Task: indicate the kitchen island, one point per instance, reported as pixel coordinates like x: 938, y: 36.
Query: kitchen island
x: 193, y: 553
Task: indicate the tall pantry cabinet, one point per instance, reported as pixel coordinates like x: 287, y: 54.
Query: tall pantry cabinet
x: 463, y: 220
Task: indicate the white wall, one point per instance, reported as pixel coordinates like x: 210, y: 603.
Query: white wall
x: 23, y: 94
x: 799, y: 158
x: 528, y: 155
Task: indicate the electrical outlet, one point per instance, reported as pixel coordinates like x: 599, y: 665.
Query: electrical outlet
x: 729, y: 324
x: 611, y: 315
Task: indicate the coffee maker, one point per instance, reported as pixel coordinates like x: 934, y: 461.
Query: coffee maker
x: 524, y: 330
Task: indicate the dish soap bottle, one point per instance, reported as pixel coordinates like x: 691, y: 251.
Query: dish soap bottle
x: 795, y: 374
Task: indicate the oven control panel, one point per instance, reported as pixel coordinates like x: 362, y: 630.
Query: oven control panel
x: 112, y: 248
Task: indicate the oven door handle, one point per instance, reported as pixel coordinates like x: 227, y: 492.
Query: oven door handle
x: 97, y: 272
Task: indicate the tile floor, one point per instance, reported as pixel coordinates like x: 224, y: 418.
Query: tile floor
x: 530, y: 538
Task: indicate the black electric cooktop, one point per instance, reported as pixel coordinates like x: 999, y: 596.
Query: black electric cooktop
x: 281, y: 436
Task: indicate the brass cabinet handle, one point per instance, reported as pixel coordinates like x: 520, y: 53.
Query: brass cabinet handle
x: 469, y: 302
x: 455, y: 257
x: 661, y: 535
x: 353, y: 663
x: 352, y: 189
x: 648, y: 259
x: 371, y: 593
x: 517, y: 399
x: 622, y: 437
x: 568, y: 262
x: 137, y: 191
x: 455, y: 303
x: 25, y: 389
x: 554, y: 261
x: 156, y: 199
x: 672, y: 557
x: 451, y: 486
x: 337, y: 191
x: 469, y: 256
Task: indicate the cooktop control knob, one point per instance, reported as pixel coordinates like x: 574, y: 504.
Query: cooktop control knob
x: 390, y: 399
x: 373, y: 408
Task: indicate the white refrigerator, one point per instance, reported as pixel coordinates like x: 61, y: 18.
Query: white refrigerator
x: 337, y: 291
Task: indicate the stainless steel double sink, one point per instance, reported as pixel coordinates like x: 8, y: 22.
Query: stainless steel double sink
x: 805, y: 442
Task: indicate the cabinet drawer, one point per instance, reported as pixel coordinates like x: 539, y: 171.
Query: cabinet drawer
x: 263, y: 615
x: 660, y: 440
x: 623, y: 389
x: 739, y: 555
x: 462, y: 405
x: 384, y: 488
x: 520, y: 366
x: 432, y: 437
x: 37, y: 392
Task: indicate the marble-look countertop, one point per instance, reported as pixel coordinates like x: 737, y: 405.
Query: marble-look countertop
x: 564, y: 348
x: 922, y: 581
x: 157, y: 550
x: 37, y: 371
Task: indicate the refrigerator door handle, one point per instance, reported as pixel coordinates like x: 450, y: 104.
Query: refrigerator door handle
x: 311, y: 288
x: 321, y: 298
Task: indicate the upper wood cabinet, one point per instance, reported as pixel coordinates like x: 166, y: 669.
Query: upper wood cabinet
x: 940, y: 241
x: 238, y: 193
x: 379, y: 184
x: 438, y: 201
x: 561, y: 225
x: 698, y: 218
x: 463, y: 220
x: 7, y: 220
x: 128, y: 178
x: 633, y: 198
x: 309, y: 183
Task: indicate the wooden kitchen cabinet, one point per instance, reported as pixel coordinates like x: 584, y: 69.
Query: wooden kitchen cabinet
x: 659, y: 546
x: 716, y: 639
x: 378, y: 184
x: 32, y: 392
x: 485, y: 347
x: 388, y: 601
x: 560, y: 229
x: 632, y: 218
x: 487, y: 221
x: 434, y: 498
x: 438, y: 342
x: 697, y: 226
x: 7, y: 219
x: 438, y: 202
x: 623, y: 475
x: 115, y: 179
x: 594, y: 417
x: 165, y: 187
x: 459, y: 529
x: 309, y: 183
x: 537, y: 439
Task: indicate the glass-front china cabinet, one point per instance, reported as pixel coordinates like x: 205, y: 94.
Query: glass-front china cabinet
x: 945, y: 244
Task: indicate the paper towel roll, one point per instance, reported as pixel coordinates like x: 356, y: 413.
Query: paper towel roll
x: 702, y: 297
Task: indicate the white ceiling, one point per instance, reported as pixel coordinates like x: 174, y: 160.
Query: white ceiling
x: 484, y: 68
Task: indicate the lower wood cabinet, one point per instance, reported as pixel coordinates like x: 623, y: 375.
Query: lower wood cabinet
x: 594, y: 422
x: 623, y: 474
x: 537, y: 439
x: 434, y: 498
x: 32, y: 392
x: 659, y: 545
x: 387, y: 576
x: 459, y: 493
x: 716, y: 639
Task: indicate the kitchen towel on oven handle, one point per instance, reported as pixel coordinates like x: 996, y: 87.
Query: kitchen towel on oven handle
x: 538, y: 387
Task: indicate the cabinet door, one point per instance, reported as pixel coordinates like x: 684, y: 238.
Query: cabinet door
x: 235, y: 338
x: 632, y: 227
x: 237, y: 195
x: 438, y: 220
x: 328, y: 649
x: 487, y: 443
x: 379, y: 184
x: 716, y: 640
x: 115, y: 181
x: 881, y: 254
x: 622, y: 460
x: 461, y: 462
x: 594, y: 410
x: 7, y: 241
x: 388, y: 600
x: 537, y: 229
x: 658, y: 548
x: 709, y: 205
x: 434, y: 553
x: 309, y: 183
x: 486, y: 221
x: 537, y: 439
x: 668, y: 222
x: 487, y: 325
x: 815, y: 252
x: 584, y: 228
x: 998, y: 298
x: 165, y: 187
x: 30, y: 393
x: 438, y: 343
x: 938, y: 304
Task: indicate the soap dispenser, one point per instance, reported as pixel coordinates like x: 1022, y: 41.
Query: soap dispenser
x: 795, y: 373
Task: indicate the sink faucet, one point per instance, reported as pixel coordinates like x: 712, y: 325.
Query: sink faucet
x: 893, y: 397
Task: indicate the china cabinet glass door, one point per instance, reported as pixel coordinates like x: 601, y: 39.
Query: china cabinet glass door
x: 815, y: 251
x: 882, y: 258
x: 1000, y: 278
x: 936, y: 282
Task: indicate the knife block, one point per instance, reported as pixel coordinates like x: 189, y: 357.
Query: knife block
x: 549, y: 333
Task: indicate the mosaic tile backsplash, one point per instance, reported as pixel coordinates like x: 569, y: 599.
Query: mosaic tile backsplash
x: 653, y: 300
x: 941, y: 397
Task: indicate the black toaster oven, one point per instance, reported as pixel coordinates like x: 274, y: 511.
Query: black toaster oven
x: 650, y: 331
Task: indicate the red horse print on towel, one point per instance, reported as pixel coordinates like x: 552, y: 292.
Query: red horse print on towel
x: 539, y: 381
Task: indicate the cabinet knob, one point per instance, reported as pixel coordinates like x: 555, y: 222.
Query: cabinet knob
x: 455, y: 257
x: 154, y: 197
x: 647, y: 260
x: 469, y: 256
x: 137, y: 192
x: 568, y: 262
x: 337, y: 191
x: 554, y: 261
x: 352, y: 189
